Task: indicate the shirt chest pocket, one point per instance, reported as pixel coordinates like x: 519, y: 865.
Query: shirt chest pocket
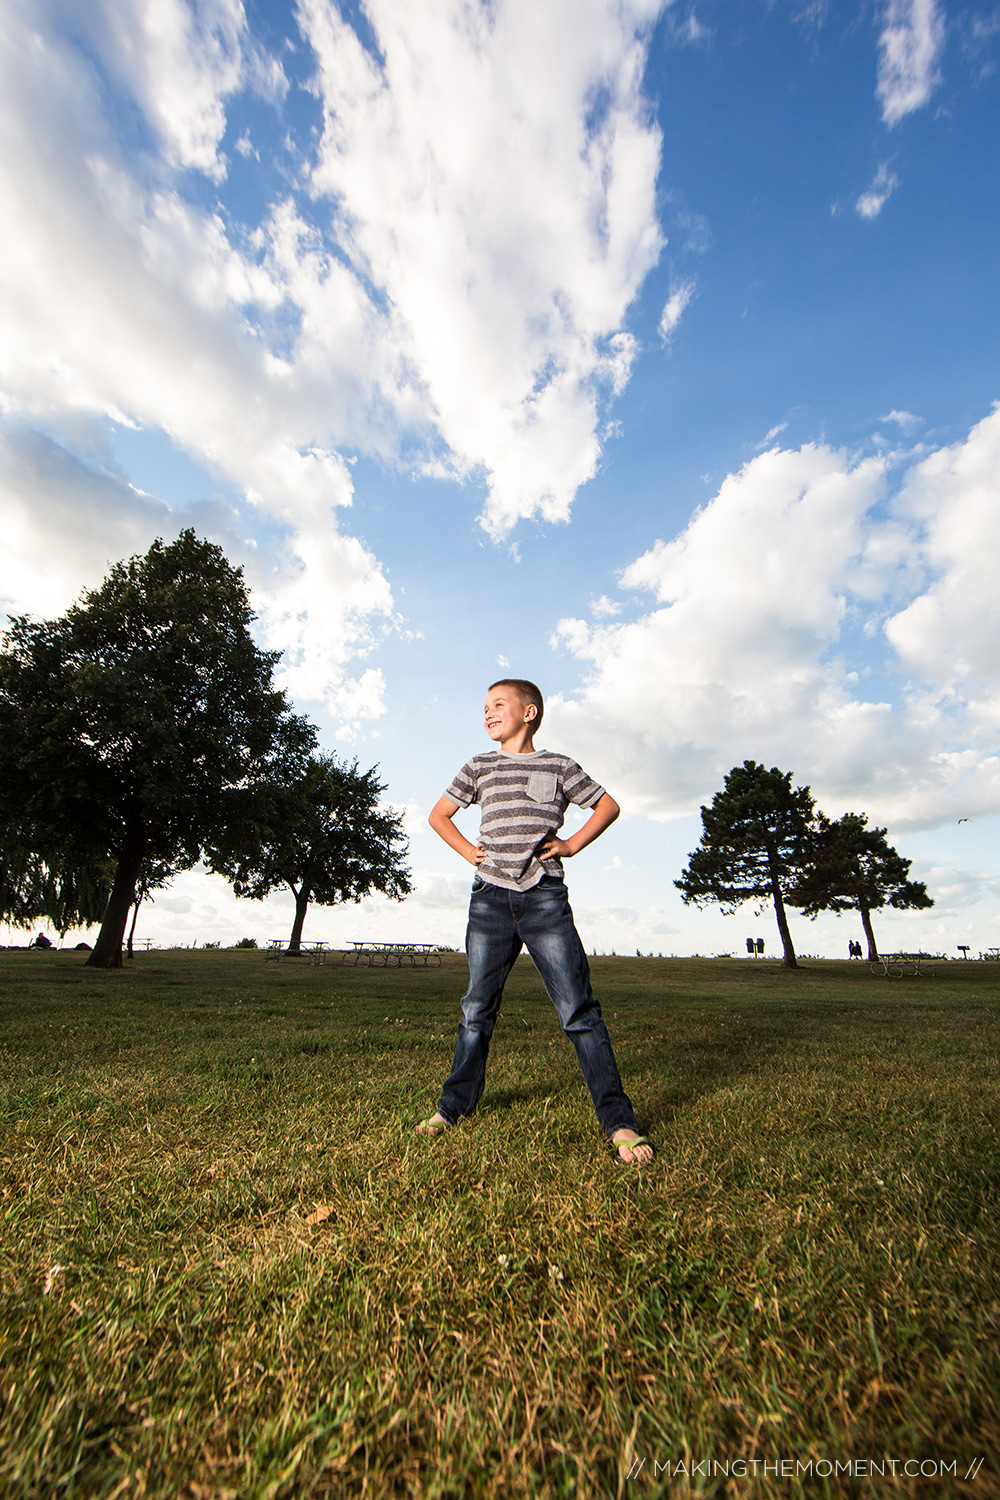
x: 541, y: 786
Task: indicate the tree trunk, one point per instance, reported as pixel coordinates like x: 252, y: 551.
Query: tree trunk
x: 866, y: 922
x: 788, y: 959
x: 107, y: 953
x: 131, y: 931
x: 301, y: 907
x: 788, y: 952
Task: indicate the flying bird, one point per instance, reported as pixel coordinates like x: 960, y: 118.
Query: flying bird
x: 963, y: 820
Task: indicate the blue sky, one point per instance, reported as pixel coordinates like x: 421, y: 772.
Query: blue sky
x: 646, y: 349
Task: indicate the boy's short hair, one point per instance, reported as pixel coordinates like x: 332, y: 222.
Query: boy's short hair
x: 526, y: 691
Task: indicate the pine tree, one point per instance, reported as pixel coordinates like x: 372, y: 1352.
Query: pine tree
x: 754, y: 845
x: 854, y: 867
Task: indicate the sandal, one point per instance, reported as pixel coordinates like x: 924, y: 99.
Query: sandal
x: 640, y: 1140
x: 431, y: 1127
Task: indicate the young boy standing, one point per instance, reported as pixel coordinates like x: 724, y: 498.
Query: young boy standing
x: 519, y: 899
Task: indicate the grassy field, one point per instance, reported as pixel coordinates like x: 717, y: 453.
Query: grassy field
x: 230, y: 1269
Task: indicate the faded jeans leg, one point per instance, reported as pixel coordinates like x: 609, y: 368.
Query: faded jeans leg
x: 492, y: 945
x: 549, y: 933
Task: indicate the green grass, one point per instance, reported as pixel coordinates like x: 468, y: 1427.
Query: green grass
x: 810, y: 1271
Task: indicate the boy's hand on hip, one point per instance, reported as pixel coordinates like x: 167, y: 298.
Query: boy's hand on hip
x: 605, y: 812
x: 478, y: 855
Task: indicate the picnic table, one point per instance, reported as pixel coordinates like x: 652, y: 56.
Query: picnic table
x: 989, y: 955
x: 381, y: 955
x: 314, y: 952
x: 896, y: 965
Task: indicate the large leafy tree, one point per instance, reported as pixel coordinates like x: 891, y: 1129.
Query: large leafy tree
x: 33, y: 889
x: 324, y: 835
x: 854, y: 867
x: 754, y: 845
x: 125, y: 723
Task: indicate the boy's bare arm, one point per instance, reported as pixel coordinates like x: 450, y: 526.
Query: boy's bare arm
x: 605, y: 812
x: 440, y: 819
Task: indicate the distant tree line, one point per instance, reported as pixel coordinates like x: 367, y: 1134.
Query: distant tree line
x: 765, y: 840
x: 142, y: 732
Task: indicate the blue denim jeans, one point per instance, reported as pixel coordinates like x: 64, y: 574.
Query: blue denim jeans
x: 500, y: 922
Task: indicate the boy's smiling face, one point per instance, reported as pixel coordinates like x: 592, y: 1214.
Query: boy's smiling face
x: 506, y: 716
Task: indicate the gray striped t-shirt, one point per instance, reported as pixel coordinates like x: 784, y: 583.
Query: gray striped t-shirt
x: 523, y: 800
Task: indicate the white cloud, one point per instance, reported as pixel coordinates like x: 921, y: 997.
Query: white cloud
x: 179, y: 62
x: 130, y: 303
x: 68, y: 517
x: 198, y: 908
x: 747, y: 654
x: 64, y: 522
x: 494, y: 176
x: 910, y: 47
x: 751, y: 597
x: 978, y: 34
x: 693, y: 229
x: 688, y: 31
x: 872, y: 201
x: 954, y: 891
x: 904, y: 420
x: 812, y: 14
x: 948, y: 637
x: 494, y: 189
x: 319, y: 612
x: 625, y: 929
x: 770, y: 435
x: 674, y: 308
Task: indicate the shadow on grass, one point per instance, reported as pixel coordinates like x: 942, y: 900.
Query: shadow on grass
x: 677, y: 1073
x: 496, y: 1101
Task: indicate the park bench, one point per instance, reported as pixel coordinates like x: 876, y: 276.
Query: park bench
x: 896, y: 965
x: 393, y: 955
